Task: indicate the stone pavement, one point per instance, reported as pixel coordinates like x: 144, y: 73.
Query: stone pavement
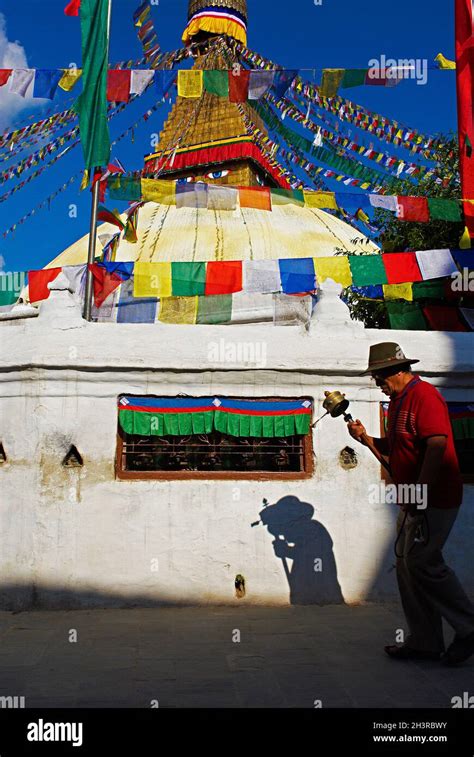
x: 190, y: 657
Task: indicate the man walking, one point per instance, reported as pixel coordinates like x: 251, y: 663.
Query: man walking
x: 420, y: 449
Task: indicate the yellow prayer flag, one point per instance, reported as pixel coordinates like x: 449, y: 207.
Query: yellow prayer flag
x: 159, y: 190
x: 70, y: 78
x: 444, y: 63
x: 465, y: 241
x: 326, y: 200
x: 85, y: 180
x: 398, y: 292
x: 182, y: 310
x: 336, y: 268
x: 152, y: 280
x: 190, y: 83
x: 331, y: 81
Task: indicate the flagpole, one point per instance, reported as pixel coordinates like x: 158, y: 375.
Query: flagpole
x: 94, y: 212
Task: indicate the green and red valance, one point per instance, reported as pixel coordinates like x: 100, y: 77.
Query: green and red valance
x: 169, y: 416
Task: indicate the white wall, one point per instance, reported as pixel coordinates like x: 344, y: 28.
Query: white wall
x: 72, y: 537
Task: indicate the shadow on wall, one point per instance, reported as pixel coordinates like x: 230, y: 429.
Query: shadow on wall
x: 312, y: 577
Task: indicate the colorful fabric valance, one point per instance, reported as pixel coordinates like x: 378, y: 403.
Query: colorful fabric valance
x: 462, y: 419
x: 176, y: 416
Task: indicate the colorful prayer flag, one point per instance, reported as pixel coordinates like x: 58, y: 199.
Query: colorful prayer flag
x: 406, y: 316
x: 72, y: 8
x: 46, y: 83
x: 223, y: 277
x: 152, y: 280
x: 321, y: 200
x: 297, y: 275
x: 435, y: 264
x: 336, y: 268
x: 70, y: 78
x: 140, y: 80
x: 261, y: 276
x: 444, y: 318
x: 401, y: 267
x: 444, y: 210
x: 255, y: 197
x: 38, y: 283
x: 367, y: 270
x: 259, y: 83
x: 239, y: 86
x: 217, y: 83
x: 413, y: 209
x: 190, y: 83
x: 188, y: 279
x: 118, y: 86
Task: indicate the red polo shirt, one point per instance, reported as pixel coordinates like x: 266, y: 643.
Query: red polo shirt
x: 420, y: 412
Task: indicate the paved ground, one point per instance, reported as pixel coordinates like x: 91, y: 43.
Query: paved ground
x: 286, y: 657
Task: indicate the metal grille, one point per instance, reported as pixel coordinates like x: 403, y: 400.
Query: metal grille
x: 213, y: 452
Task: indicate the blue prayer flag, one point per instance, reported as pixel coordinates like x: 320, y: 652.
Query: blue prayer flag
x: 46, y: 82
x: 297, y: 275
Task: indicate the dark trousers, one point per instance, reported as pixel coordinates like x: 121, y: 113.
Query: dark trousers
x: 429, y: 589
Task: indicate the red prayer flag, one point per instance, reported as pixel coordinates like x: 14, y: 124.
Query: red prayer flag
x: 413, y: 209
x: 444, y: 318
x: 401, y: 267
x: 255, y: 197
x: 104, y: 283
x: 239, y: 86
x: 72, y: 8
x: 118, y: 86
x: 223, y: 278
x: 109, y: 217
x: 4, y: 75
x: 464, y: 11
x: 38, y: 283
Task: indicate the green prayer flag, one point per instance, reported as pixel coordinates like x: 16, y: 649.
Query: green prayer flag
x: 429, y: 290
x: 92, y: 103
x: 125, y: 188
x: 217, y: 83
x: 214, y: 310
x: 354, y: 77
x: 287, y: 196
x: 463, y: 428
x: 188, y: 279
x: 367, y: 270
x: 406, y: 316
x: 444, y: 210
x: 11, y: 285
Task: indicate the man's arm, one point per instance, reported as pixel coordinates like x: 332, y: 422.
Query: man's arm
x: 357, y: 430
x: 435, y: 449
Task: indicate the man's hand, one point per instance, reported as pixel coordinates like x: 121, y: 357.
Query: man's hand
x: 356, y: 430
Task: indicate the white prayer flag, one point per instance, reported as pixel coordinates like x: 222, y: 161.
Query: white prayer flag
x: 387, y: 202
x: 262, y: 276
x: 436, y: 264
x: 20, y: 80
x: 140, y: 80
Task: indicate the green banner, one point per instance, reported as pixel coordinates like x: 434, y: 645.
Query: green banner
x: 91, y: 106
x: 233, y: 424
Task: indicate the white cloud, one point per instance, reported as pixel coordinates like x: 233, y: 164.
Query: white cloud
x: 2, y: 262
x: 12, y: 55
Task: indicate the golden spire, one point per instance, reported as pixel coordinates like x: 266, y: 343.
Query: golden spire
x: 215, y: 18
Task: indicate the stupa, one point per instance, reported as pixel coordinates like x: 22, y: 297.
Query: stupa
x: 210, y: 141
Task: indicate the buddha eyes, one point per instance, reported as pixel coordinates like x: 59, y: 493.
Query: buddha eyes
x: 217, y: 174
x: 211, y: 175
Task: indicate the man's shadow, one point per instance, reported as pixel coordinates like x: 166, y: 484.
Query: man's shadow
x: 312, y: 574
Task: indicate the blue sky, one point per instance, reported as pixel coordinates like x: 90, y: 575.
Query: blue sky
x: 297, y: 34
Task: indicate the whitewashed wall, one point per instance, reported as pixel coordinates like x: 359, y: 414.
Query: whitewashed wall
x: 79, y: 537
